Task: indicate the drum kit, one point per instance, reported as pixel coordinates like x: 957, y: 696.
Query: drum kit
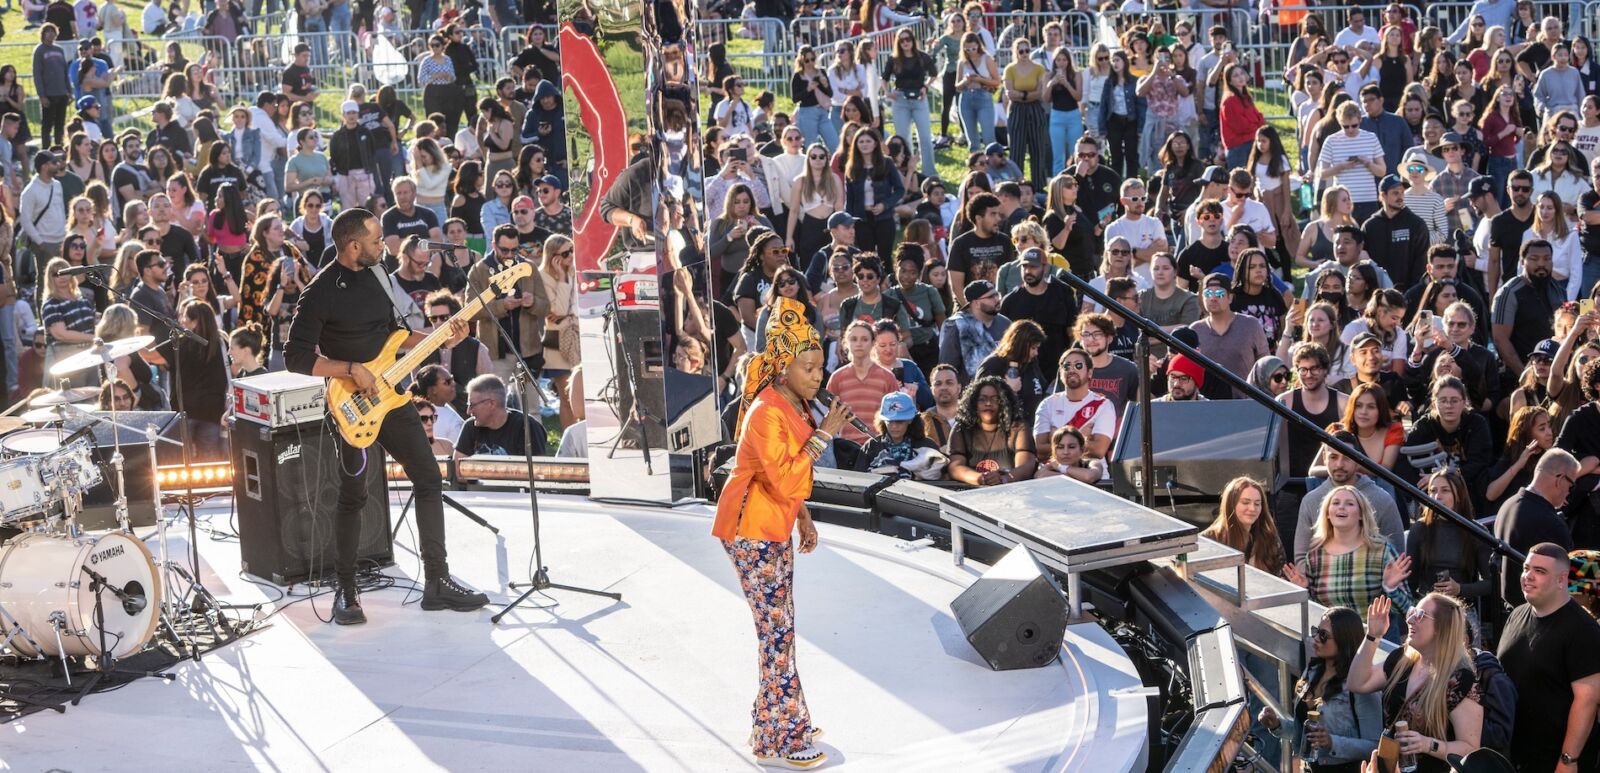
x: 65, y: 592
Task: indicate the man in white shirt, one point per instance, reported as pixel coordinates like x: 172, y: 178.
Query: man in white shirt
x: 1357, y: 32
x: 42, y: 210
x: 1076, y: 405
x: 1240, y: 209
x: 1144, y: 234
x: 153, y: 19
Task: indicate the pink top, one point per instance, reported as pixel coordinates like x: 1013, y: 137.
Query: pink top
x: 217, y: 232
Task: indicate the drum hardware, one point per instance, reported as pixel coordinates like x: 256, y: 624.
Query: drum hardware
x: 106, y: 663
x: 64, y: 395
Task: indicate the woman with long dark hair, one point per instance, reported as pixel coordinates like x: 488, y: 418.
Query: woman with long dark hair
x: 1254, y: 294
x: 436, y: 74
x: 467, y: 199
x: 219, y: 172
x: 1270, y: 165
x: 760, y: 508
x: 728, y: 244
x: 497, y: 135
x: 910, y: 72
x: 1444, y: 557
x: 1502, y: 128
x: 813, y: 98
x: 227, y: 230
x: 1237, y: 116
x: 872, y: 189
x: 1065, y: 90
x: 1122, y: 116
x: 1016, y: 360
x: 814, y: 196
x: 990, y: 443
x: 1244, y: 523
x: 199, y: 378
x: 1177, y: 185
x: 1349, y: 723
x: 977, y: 78
x: 269, y: 251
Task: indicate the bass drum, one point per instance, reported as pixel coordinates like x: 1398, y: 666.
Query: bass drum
x: 42, y: 575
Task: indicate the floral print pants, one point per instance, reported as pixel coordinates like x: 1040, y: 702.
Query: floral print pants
x: 780, y: 717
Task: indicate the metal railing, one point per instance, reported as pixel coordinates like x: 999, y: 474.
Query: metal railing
x: 767, y: 69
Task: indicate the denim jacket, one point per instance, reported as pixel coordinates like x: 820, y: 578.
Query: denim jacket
x: 1353, y: 721
x: 1130, y: 87
x: 246, y: 145
x: 887, y: 191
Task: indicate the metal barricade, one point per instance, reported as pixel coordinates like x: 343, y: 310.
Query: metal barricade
x: 819, y: 30
x: 514, y: 38
x: 337, y: 59
x: 766, y: 57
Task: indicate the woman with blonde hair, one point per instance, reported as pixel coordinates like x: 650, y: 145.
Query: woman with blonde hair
x: 1551, y: 223
x: 1316, y: 241
x: 68, y: 319
x: 1349, y: 563
x: 1430, y: 683
x: 119, y: 321
x: 84, y: 221
x: 1244, y: 523
x: 562, y: 291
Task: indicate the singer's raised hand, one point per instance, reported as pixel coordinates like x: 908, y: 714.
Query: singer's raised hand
x: 838, y: 416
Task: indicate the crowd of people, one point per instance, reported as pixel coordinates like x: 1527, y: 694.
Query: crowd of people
x: 213, y: 210
x: 1408, y: 258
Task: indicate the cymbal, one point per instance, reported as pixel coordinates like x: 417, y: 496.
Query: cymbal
x: 59, y: 396
x: 55, y: 413
x: 11, y: 424
x: 100, y: 354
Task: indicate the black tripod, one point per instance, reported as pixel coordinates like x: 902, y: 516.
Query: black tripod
x: 104, y: 663
x: 521, y: 379
x: 638, y: 414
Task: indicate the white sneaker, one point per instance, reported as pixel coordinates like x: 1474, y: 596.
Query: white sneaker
x: 805, y: 759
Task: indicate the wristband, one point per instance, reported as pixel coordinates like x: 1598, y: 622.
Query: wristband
x: 349, y: 369
x: 1372, y: 638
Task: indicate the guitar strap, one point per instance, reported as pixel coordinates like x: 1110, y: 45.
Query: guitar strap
x: 388, y: 292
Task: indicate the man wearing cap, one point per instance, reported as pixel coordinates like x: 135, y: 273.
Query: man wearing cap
x: 984, y: 244
x: 352, y: 159
x: 90, y: 77
x: 1233, y: 341
x: 42, y: 210
x: 530, y: 237
x: 1145, y: 234
x: 552, y: 215
x: 405, y: 218
x: 999, y: 168
x: 1453, y: 182
x: 1550, y: 649
x: 1045, y: 300
x: 54, y: 88
x: 1371, y: 361
x: 1184, y: 379
x: 1213, y: 187
x: 297, y: 82
x: 1396, y: 238
x: 1353, y: 158
x: 972, y: 333
x: 842, y: 236
x: 1078, y: 406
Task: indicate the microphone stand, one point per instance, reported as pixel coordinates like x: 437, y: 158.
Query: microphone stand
x: 175, y: 331
x: 540, y: 581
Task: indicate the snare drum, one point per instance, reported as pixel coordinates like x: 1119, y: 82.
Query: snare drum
x: 28, y: 442
x: 43, y: 585
x: 23, y: 493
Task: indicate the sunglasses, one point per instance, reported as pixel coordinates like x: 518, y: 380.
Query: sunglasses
x: 427, y: 417
x: 438, y: 317
x: 503, y: 185
x: 1075, y: 364
x: 1280, y: 377
x: 1522, y: 188
x: 1215, y: 292
x: 1417, y: 613
x: 1131, y: 199
x: 561, y: 254
x: 521, y: 211
x: 788, y: 282
x: 1208, y: 217
x: 1088, y: 156
x: 40, y: 346
x: 1321, y: 635
x: 1115, y: 251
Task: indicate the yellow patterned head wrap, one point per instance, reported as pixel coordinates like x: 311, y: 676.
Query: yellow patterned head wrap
x: 788, y: 334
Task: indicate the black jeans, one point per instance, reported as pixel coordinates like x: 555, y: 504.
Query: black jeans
x: 401, y: 435
x: 52, y: 120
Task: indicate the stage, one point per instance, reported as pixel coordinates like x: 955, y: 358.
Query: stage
x: 662, y: 681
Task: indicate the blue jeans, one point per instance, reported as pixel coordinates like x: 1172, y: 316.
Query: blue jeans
x: 1591, y: 275
x: 339, y: 21
x: 1499, y: 169
x: 814, y: 124
x: 438, y: 209
x: 314, y: 26
x: 1239, y: 155
x: 1210, y: 134
x: 8, y: 334
x: 977, y: 117
x: 909, y: 112
x: 1066, y: 126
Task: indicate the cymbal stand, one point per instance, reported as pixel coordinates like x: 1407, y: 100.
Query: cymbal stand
x: 17, y: 631
x: 169, y: 607
x: 120, y: 505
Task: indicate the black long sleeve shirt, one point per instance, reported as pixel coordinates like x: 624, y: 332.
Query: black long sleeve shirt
x: 345, y: 314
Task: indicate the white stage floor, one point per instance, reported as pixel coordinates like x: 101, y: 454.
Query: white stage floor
x: 662, y: 681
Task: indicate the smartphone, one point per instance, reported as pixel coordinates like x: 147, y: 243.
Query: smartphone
x: 1300, y: 305
x: 1585, y: 306
x: 1165, y: 58
x: 1425, y: 318
x: 738, y: 154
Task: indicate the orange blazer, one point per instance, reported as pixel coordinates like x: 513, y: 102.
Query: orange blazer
x: 771, y: 474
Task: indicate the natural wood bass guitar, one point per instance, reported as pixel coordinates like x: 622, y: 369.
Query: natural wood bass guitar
x: 359, y: 416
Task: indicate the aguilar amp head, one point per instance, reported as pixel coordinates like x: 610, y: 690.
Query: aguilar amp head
x: 286, y: 486
x: 99, y: 509
x: 1200, y: 446
x: 1014, y: 615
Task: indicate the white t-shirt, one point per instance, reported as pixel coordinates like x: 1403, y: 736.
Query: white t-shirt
x: 1057, y: 410
x: 1140, y: 233
x: 1255, y: 215
x: 1587, y: 140
x: 740, y: 122
x: 1399, y: 350
x: 1349, y: 37
x: 448, y: 424
x: 1140, y: 283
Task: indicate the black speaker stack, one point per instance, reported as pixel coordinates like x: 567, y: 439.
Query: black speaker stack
x: 286, y: 488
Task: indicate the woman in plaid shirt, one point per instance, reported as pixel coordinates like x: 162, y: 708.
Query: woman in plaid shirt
x: 1350, y: 563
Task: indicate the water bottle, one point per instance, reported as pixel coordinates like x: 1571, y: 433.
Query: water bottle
x: 1313, y: 722
x: 1408, y: 760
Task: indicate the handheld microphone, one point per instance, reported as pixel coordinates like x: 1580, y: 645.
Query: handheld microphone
x: 826, y: 400
x: 101, y: 269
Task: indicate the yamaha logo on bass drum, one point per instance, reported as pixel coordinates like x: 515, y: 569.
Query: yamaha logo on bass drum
x: 107, y: 554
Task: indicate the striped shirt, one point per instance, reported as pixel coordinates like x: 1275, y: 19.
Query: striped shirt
x: 1340, y: 147
x: 1430, y: 207
x: 76, y: 314
x: 1353, y: 579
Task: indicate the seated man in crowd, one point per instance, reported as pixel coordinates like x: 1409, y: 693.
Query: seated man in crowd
x: 493, y: 429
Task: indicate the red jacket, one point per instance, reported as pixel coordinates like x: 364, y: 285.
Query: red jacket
x: 1239, y: 120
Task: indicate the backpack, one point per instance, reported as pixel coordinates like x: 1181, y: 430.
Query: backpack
x: 1499, y: 698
